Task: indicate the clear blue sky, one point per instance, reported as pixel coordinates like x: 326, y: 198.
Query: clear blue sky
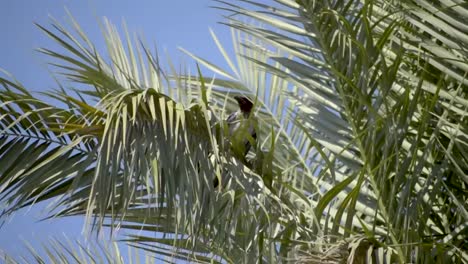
x: 169, y: 24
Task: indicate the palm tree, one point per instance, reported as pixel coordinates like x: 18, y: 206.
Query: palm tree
x: 361, y: 146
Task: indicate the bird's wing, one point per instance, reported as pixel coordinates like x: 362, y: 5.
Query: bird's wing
x: 233, y: 117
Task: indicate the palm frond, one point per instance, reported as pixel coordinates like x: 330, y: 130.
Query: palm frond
x: 141, y: 150
x: 64, y: 250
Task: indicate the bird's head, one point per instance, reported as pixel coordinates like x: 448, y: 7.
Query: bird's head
x: 245, y: 104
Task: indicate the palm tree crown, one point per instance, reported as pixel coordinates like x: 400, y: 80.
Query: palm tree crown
x: 358, y: 124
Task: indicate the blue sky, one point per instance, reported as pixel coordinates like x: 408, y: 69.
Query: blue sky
x: 168, y: 24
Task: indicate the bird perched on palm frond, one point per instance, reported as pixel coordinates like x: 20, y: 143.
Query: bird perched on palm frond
x: 241, y: 129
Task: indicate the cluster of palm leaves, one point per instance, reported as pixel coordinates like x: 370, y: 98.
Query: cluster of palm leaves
x: 362, y: 143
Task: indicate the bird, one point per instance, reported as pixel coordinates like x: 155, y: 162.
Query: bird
x: 241, y: 130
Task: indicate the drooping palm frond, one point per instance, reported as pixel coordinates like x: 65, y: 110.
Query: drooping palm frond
x: 134, y: 150
x: 44, y: 147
